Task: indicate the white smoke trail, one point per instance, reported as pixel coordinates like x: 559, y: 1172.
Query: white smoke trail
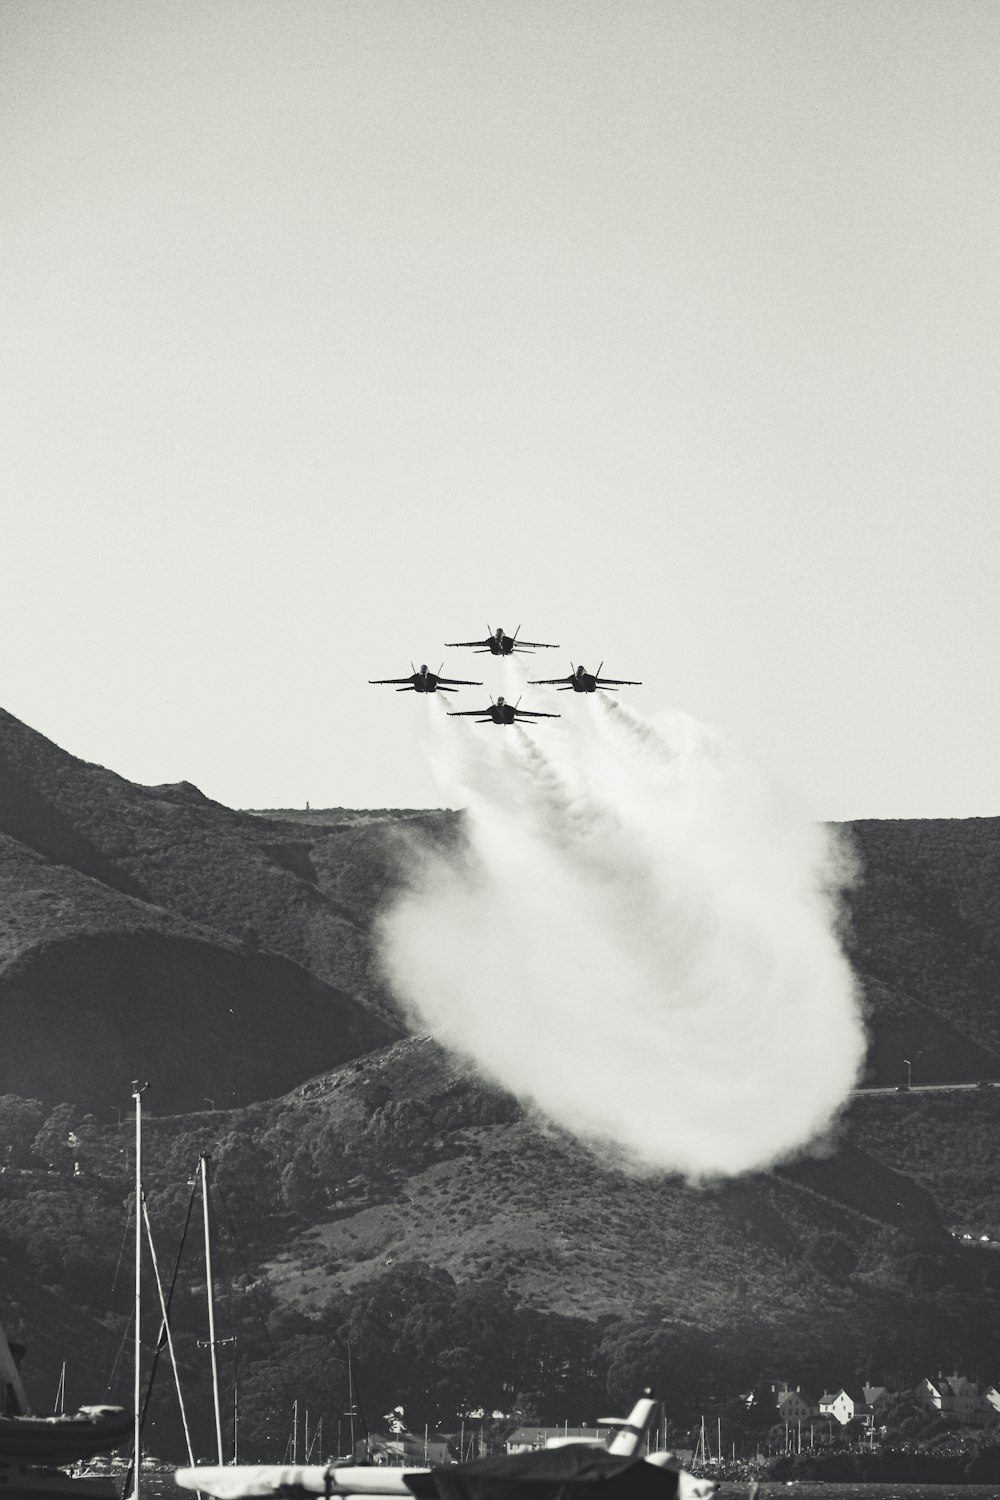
x: 640, y: 938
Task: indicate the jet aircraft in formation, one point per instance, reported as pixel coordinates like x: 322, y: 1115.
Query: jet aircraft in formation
x: 424, y: 682
x: 500, y: 712
x: 504, y: 645
x: 582, y: 681
x: 579, y: 680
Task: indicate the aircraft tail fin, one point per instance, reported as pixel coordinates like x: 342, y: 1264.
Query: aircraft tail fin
x: 633, y: 1429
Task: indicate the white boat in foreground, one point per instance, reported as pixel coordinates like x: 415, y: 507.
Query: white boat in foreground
x: 618, y: 1471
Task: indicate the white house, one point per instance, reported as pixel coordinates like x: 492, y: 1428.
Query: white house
x: 955, y: 1396
x: 844, y: 1406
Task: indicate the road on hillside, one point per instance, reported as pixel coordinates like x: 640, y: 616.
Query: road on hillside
x: 924, y: 1088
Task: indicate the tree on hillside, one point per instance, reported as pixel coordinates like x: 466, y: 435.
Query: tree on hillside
x: 901, y: 1417
x: 52, y: 1143
x: 397, y: 1324
x: 20, y: 1122
x: 677, y: 1361
x: 559, y: 1366
x: 265, y: 1411
x: 62, y: 1237
x: 246, y: 1179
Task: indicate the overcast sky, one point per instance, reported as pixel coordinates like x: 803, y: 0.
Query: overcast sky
x: 335, y: 331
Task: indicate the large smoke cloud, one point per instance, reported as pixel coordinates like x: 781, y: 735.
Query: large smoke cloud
x: 640, y: 937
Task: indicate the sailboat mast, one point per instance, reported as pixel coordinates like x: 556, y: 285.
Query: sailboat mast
x: 211, y: 1306
x: 138, y: 1089
x: 350, y: 1398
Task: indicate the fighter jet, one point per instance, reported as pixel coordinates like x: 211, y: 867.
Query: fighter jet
x: 500, y: 712
x: 582, y: 681
x: 424, y: 682
x: 504, y: 645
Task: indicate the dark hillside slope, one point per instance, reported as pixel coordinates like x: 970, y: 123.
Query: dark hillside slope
x: 946, y: 1142
x: 859, y: 1181
x: 926, y: 924
x: 902, y: 1027
x: 461, y: 1177
x: 98, y: 988
x: 452, y: 1175
x: 201, y: 1020
x: 306, y: 891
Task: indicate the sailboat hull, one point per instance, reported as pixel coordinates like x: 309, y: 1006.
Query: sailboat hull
x: 63, y: 1440
x: 19, y: 1482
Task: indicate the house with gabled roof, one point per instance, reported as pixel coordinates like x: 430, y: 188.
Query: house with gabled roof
x: 965, y: 1399
x: 952, y: 1395
x: 989, y: 1406
x: 932, y: 1394
x: 523, y: 1439
x: 845, y: 1405
x: 794, y: 1406
x: 876, y: 1399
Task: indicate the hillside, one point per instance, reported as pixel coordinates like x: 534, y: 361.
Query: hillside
x: 371, y: 1189
x: 144, y: 924
x: 925, y: 937
x: 375, y: 1201
x: 305, y: 891
x: 171, y: 895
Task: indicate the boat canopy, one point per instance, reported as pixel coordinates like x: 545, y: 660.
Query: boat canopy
x: 574, y: 1471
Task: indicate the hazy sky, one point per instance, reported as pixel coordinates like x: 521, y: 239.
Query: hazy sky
x: 333, y: 331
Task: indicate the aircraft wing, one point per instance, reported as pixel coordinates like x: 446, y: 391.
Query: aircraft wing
x: 387, y: 681
x: 459, y: 682
x: 616, y: 682
x: 535, y: 713
x: 547, y: 681
x: 467, y: 713
x: 484, y: 644
x: 540, y: 645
